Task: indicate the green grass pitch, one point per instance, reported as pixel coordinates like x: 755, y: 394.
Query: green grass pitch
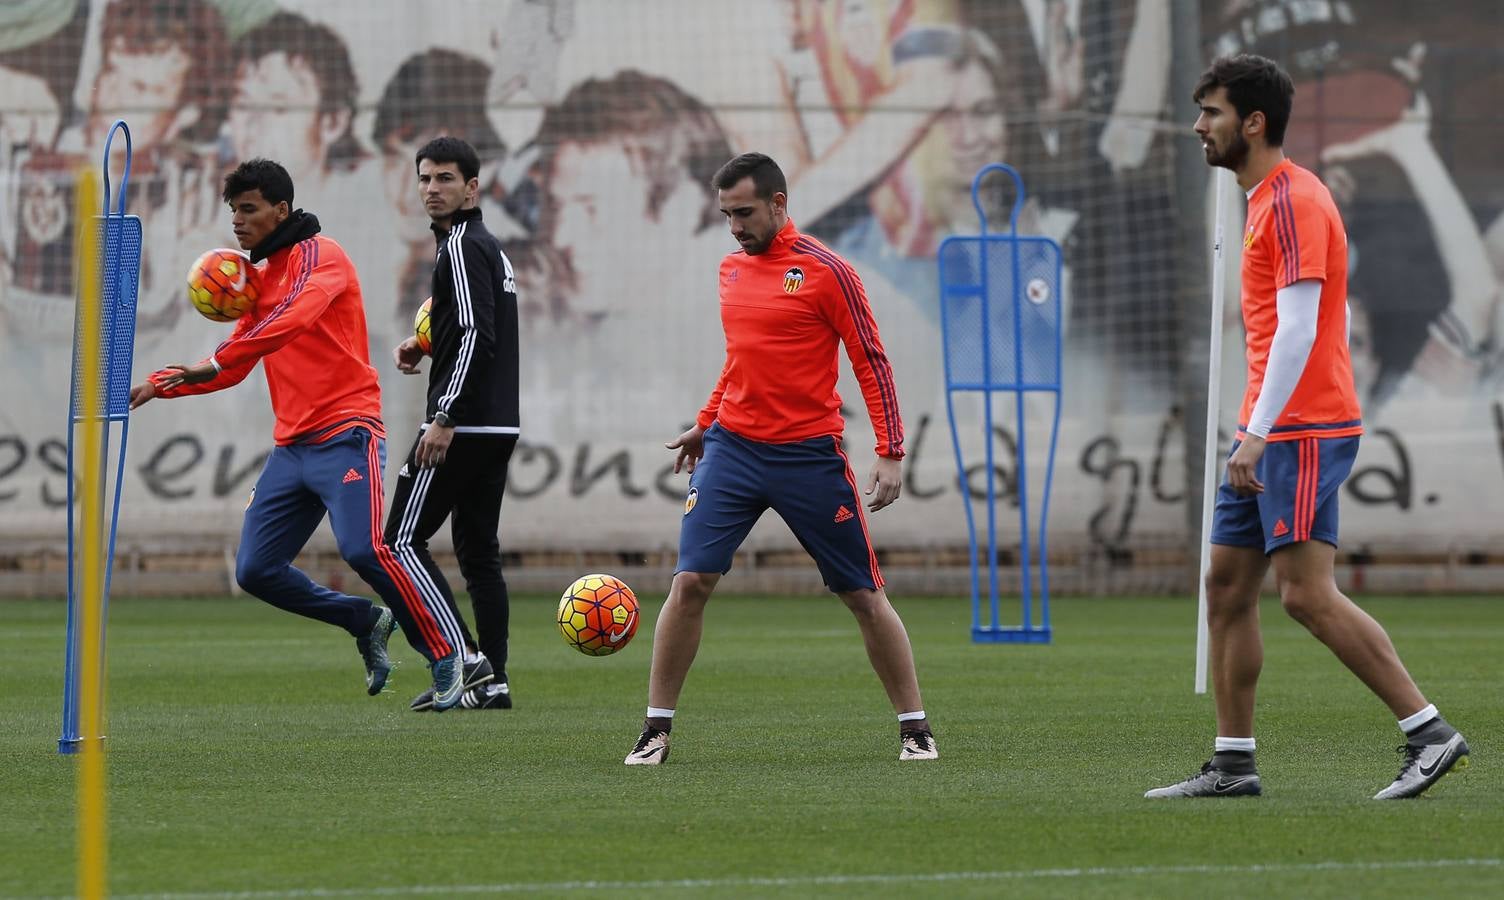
x: 246, y: 761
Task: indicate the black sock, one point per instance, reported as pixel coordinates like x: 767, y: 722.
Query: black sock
x: 1234, y: 762
x: 662, y: 723
x: 1436, y: 731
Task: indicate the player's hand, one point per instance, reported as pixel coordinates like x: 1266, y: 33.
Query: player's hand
x: 691, y: 446
x: 884, y: 483
x: 185, y: 374
x: 1240, y: 469
x: 407, y: 356
x: 140, y: 393
x: 433, y: 447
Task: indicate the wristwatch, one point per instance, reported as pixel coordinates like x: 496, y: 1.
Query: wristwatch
x: 442, y: 419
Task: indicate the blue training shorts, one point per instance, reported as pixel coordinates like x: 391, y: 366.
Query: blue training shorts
x: 808, y: 483
x: 1299, y: 503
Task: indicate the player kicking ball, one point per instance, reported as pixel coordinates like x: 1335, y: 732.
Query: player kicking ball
x: 770, y: 438
x: 1298, y: 437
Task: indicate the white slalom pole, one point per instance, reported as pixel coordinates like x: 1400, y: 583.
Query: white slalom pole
x: 1210, y: 467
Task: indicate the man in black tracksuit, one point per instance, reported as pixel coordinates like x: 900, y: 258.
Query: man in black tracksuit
x: 457, y: 469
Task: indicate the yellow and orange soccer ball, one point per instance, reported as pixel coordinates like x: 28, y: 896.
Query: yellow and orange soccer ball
x: 598, y: 615
x: 423, y: 326
x: 223, y: 284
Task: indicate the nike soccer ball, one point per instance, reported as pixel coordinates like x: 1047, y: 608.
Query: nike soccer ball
x: 222, y: 284
x: 422, y: 326
x: 598, y: 615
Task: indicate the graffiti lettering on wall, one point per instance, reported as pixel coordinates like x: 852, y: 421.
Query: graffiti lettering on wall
x: 928, y: 91
x: 186, y: 467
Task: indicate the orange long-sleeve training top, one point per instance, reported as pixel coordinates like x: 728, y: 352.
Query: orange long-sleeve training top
x: 309, y: 329
x: 784, y: 311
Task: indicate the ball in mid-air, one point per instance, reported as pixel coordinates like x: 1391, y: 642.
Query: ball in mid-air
x: 223, y: 284
x: 598, y: 615
x: 423, y: 326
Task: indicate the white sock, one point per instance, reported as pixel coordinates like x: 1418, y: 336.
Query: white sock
x: 914, y: 716
x: 1410, y: 723
x: 471, y: 656
x: 656, y: 713
x: 1242, y: 745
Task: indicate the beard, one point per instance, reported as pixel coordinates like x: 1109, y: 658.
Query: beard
x: 758, y: 244
x: 1233, y: 157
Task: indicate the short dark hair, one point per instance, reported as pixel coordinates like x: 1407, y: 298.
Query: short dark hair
x: 438, y: 91
x: 193, y: 26
x: 448, y: 149
x: 764, y: 172
x: 1254, y: 84
x: 667, y: 133
x: 325, y: 54
x: 262, y: 175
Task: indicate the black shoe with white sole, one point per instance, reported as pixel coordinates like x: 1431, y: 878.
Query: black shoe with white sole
x: 496, y: 695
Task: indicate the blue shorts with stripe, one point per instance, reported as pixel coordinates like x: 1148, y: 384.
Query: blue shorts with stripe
x: 1301, y: 481
x: 808, y: 483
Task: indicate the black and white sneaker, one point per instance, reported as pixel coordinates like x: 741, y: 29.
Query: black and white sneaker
x: 488, y: 696
x: 1212, y: 782
x: 917, y: 744
x: 651, y: 748
x: 1424, y: 765
x: 477, y: 673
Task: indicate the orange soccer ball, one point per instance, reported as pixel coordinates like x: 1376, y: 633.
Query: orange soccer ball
x: 423, y: 326
x: 598, y: 615
x: 223, y: 284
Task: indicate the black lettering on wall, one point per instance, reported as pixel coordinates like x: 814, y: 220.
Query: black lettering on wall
x: 582, y: 478
x: 12, y: 457
x: 1379, y: 485
x: 169, y: 463
x: 533, y: 468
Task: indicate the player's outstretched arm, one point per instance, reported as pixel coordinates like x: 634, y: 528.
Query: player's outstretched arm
x: 884, y: 483
x: 691, y: 446
x: 182, y: 373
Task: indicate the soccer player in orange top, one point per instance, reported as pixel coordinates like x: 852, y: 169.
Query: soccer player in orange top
x: 770, y: 437
x: 1297, y: 438
x: 308, y: 327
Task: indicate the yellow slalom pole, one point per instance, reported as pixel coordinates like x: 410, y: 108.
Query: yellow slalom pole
x: 91, y: 547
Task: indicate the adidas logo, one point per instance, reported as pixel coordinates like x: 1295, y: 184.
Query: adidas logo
x: 352, y: 475
x: 844, y: 515
x: 1281, y: 529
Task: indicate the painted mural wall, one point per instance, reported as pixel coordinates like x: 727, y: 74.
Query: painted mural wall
x: 599, y: 123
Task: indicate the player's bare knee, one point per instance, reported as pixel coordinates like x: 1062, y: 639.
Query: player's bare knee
x: 1228, y: 599
x: 1302, y: 600
x: 694, y: 588
x: 865, y: 603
